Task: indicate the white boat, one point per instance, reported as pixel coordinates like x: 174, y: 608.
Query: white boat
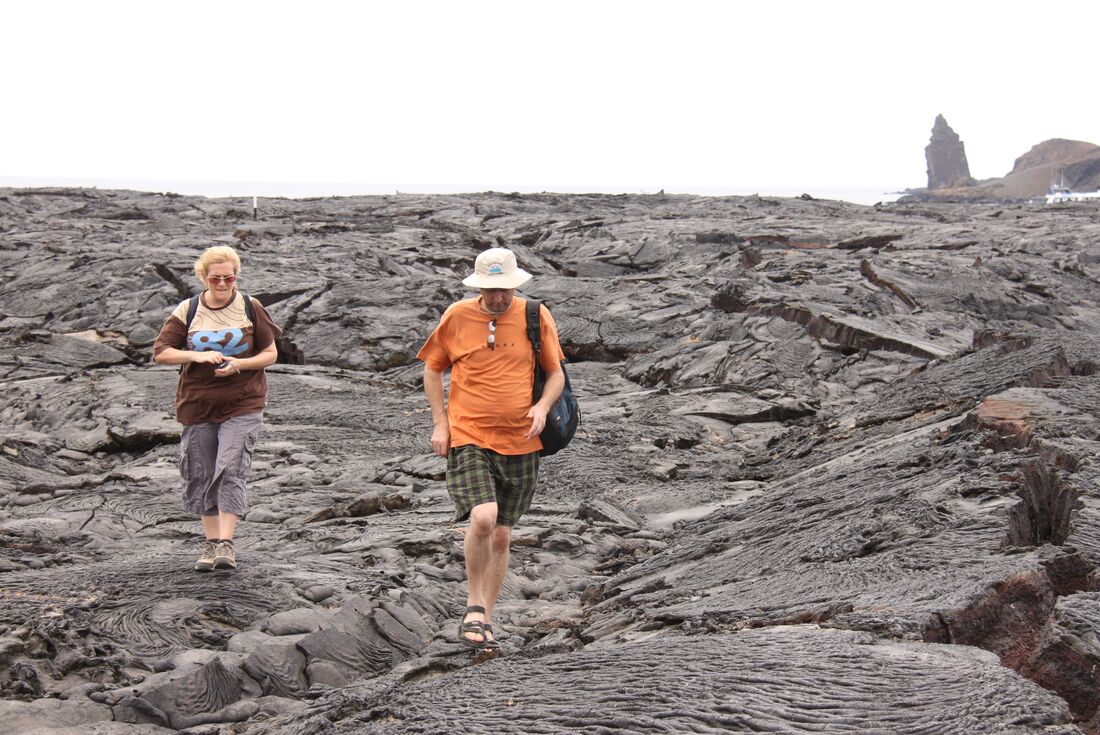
x: 1059, y: 193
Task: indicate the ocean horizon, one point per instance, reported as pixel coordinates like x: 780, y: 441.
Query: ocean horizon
x: 866, y: 195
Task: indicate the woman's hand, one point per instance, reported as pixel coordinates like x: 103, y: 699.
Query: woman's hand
x: 229, y: 366
x: 211, y: 356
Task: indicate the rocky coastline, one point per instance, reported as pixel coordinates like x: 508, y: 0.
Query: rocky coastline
x: 1053, y: 165
x: 836, y: 471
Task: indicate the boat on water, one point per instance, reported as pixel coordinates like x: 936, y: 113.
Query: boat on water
x: 1059, y: 193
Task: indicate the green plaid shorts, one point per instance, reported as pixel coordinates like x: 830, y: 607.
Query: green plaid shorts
x: 476, y: 476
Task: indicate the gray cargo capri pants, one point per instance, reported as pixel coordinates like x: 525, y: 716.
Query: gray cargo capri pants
x: 476, y: 475
x: 215, y: 461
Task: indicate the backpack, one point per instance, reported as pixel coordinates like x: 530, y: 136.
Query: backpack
x: 564, y: 416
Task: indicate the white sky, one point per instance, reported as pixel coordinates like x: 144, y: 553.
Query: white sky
x: 554, y: 95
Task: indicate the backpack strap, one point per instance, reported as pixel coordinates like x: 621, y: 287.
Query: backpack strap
x: 193, y: 308
x: 534, y: 328
x: 534, y: 333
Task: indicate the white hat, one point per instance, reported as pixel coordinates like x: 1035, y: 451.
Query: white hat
x: 496, y: 268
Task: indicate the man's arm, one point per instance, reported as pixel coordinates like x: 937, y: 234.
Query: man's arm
x: 441, y: 427
x: 555, y: 382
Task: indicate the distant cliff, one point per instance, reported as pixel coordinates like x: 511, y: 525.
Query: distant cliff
x: 1074, y: 163
x: 946, y: 157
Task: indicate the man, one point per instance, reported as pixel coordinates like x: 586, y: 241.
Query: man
x: 489, y: 430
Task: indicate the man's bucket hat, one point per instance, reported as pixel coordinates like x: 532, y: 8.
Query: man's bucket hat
x: 496, y: 268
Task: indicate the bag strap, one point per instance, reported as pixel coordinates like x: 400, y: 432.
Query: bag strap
x: 534, y: 333
x: 534, y: 328
x: 193, y: 309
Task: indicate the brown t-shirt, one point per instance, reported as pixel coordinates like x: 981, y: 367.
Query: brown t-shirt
x: 201, y: 396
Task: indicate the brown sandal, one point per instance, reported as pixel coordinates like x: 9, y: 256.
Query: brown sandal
x: 474, y: 626
x: 492, y: 643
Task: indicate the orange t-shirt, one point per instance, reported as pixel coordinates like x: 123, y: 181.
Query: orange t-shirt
x: 491, y: 388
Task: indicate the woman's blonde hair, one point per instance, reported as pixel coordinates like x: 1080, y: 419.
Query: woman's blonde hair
x: 213, y: 256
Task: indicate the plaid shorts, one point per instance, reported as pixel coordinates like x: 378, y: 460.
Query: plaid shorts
x: 476, y: 476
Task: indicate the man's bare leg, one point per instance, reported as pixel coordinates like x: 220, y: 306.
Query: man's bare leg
x: 497, y: 569
x: 478, y: 549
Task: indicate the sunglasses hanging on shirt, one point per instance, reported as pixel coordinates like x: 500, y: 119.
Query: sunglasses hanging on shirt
x: 492, y: 335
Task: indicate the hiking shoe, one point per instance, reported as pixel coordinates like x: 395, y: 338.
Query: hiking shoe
x: 224, y: 556
x: 206, y: 558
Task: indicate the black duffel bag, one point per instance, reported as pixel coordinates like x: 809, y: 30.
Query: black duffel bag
x: 564, y: 416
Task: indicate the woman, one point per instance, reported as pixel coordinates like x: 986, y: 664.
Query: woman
x: 220, y: 396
